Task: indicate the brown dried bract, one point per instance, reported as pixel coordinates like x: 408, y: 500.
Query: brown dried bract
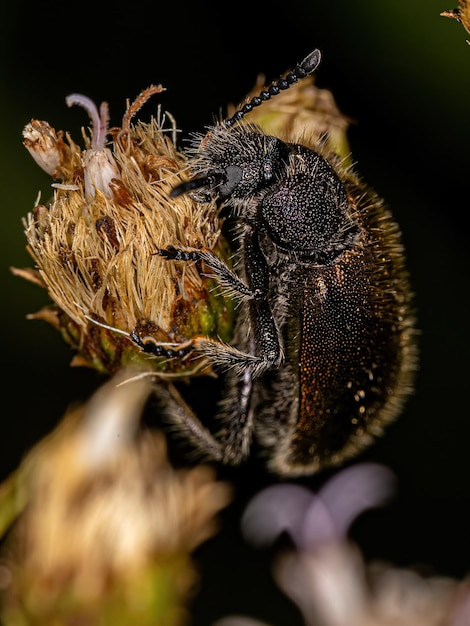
x: 461, y: 14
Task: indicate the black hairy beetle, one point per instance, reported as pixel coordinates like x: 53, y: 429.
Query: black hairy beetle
x: 324, y: 349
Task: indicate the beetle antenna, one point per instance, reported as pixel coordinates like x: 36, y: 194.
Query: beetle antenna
x: 191, y: 185
x: 301, y: 70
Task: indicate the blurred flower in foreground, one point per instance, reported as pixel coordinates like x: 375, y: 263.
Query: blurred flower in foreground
x: 94, y: 244
x: 108, y: 526
x: 326, y: 577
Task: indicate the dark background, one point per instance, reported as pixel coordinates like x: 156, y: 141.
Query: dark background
x: 402, y: 73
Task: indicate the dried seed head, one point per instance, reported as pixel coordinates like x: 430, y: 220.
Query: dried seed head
x: 95, y: 244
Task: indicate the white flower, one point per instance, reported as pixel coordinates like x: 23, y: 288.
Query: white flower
x: 99, y: 165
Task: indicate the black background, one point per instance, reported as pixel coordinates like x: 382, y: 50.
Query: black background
x: 402, y: 73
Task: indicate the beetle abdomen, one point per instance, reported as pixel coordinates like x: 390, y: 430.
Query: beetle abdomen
x: 355, y: 351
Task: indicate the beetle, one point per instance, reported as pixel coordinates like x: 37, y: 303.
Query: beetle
x: 324, y: 350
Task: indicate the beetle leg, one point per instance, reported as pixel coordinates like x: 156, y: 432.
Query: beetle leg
x: 268, y: 352
x: 184, y: 422
x: 232, y: 443
x: 267, y: 343
x: 236, y: 414
x: 168, y: 350
x: 267, y: 349
x: 221, y: 272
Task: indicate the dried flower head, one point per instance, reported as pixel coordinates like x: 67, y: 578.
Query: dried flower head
x: 95, y: 244
x: 109, y: 526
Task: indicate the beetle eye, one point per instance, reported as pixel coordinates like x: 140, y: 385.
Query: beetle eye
x: 233, y: 177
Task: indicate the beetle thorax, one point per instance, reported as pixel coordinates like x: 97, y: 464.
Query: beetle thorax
x: 307, y: 210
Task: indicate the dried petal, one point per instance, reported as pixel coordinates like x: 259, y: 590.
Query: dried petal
x: 44, y: 145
